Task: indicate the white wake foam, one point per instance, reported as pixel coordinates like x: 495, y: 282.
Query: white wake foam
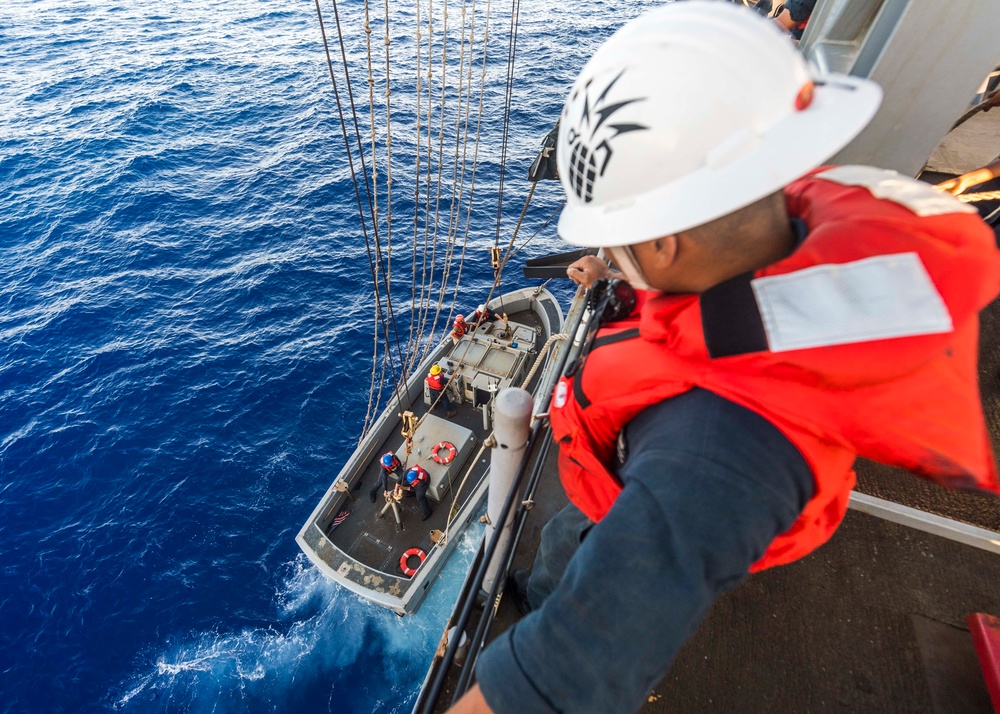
x: 324, y: 644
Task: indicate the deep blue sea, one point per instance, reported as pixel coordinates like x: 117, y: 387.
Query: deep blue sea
x: 186, y: 329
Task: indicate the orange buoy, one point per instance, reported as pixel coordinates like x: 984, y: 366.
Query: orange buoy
x: 448, y: 448
x: 404, y: 561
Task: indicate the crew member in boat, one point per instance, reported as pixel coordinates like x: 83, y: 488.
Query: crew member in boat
x: 483, y: 314
x: 389, y: 466
x: 798, y: 318
x: 437, y: 385
x: 417, y: 480
x: 459, y: 329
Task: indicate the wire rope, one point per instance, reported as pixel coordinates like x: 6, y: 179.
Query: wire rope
x: 461, y: 140
x: 372, y: 259
x: 429, y: 342
x: 416, y: 195
x: 475, y: 155
x: 424, y: 279
x: 508, y: 95
x: 374, y: 391
x: 434, y: 234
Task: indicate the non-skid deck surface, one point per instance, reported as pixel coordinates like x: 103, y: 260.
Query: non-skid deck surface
x: 874, y: 621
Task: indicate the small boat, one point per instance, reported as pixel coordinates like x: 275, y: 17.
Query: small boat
x: 383, y: 550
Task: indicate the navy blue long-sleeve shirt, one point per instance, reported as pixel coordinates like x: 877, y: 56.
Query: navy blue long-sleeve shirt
x: 707, y: 485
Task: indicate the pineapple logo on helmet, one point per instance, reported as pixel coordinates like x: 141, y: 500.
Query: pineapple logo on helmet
x: 590, y: 139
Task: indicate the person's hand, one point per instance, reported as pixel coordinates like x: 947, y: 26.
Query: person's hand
x: 991, y: 100
x: 961, y: 184
x: 472, y: 702
x: 588, y: 269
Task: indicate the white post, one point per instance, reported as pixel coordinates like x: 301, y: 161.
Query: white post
x: 511, y: 420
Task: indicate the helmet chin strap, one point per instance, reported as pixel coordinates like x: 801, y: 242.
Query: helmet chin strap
x: 624, y: 258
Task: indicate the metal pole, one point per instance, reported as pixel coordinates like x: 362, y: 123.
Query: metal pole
x: 927, y: 522
x: 511, y: 420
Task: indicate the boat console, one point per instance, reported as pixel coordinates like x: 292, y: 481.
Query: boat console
x: 482, y: 363
x: 434, y: 431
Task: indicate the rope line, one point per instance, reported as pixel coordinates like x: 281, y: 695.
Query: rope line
x: 416, y: 197
x: 373, y: 261
x: 424, y: 278
x: 368, y: 190
x: 475, y: 155
x: 431, y: 236
x: 976, y: 197
x: 458, y: 178
x: 540, y: 229
x: 508, y: 94
x: 373, y: 402
x: 445, y: 269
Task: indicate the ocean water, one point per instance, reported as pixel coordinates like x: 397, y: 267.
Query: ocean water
x: 186, y: 329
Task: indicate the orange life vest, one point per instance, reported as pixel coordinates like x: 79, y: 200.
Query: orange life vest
x: 421, y: 476
x: 434, y: 382
x: 890, y: 377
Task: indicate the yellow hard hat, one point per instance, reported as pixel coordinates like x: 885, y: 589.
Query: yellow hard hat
x: 436, y: 369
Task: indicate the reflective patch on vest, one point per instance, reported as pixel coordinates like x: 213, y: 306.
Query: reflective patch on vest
x: 915, y: 195
x: 562, y: 392
x: 872, y: 299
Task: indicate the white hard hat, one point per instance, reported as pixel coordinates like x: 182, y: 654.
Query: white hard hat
x: 689, y: 112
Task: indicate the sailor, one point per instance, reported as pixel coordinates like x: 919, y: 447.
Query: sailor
x: 483, y: 314
x: 459, y: 329
x: 437, y: 386
x: 389, y: 464
x: 798, y: 318
x: 417, y: 480
x: 794, y: 16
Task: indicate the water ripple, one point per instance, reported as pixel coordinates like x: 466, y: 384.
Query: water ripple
x: 185, y: 343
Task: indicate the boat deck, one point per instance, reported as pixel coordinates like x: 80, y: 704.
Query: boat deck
x: 377, y: 541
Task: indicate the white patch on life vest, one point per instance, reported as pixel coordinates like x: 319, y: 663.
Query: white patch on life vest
x: 872, y: 299
x: 915, y: 195
x: 561, y: 394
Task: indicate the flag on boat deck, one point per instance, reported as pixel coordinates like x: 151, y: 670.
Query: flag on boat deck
x: 339, y: 518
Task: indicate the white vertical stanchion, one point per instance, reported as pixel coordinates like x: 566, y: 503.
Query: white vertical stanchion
x: 511, y: 421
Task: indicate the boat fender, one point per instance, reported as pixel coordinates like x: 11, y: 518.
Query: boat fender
x: 448, y: 448
x: 404, y: 561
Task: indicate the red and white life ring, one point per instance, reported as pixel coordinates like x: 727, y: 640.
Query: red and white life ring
x: 446, y: 446
x: 404, y: 561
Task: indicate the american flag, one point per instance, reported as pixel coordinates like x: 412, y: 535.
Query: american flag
x: 339, y: 518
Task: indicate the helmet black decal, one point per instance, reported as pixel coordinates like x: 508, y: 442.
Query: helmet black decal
x: 590, y: 139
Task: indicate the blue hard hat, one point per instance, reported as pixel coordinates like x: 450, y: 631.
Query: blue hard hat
x: 388, y: 459
x: 412, y: 475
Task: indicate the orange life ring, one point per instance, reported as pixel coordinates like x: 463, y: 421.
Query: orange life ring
x: 404, y: 561
x: 446, y: 446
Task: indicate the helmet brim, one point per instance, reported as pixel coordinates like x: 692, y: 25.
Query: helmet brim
x: 841, y: 107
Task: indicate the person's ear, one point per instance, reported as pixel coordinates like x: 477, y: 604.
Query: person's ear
x: 665, y: 251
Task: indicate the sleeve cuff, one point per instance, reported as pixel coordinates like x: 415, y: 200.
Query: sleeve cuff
x: 503, y: 682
